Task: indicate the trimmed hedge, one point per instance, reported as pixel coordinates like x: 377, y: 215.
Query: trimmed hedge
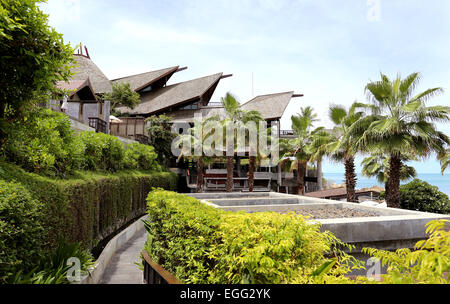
x: 89, y: 206
x: 21, y: 231
x: 202, y: 244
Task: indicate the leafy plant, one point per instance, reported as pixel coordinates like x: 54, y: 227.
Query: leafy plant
x: 202, y: 244
x: 33, y: 58
x: 103, y: 152
x: 44, y: 142
x: 22, y: 234
x: 161, y: 137
x: 54, y: 268
x: 421, y: 196
x: 143, y: 157
x: 122, y: 95
x: 429, y: 263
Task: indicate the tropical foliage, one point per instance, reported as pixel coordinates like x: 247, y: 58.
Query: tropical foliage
x: 305, y: 144
x: 202, y: 244
x: 122, y: 95
x: 236, y: 120
x: 33, y: 58
x: 400, y: 122
x: 421, y: 196
x: 429, y: 263
x: 161, y: 137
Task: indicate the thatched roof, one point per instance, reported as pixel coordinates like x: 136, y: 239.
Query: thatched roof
x: 140, y: 81
x: 74, y: 86
x: 271, y: 106
x: 172, y: 95
x: 85, y: 68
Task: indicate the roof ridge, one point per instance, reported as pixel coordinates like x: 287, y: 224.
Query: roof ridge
x: 169, y: 68
x: 190, y: 80
x: 267, y: 95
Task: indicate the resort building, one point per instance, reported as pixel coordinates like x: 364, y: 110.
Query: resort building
x: 183, y: 102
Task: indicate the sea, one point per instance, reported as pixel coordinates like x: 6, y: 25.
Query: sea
x: 441, y: 181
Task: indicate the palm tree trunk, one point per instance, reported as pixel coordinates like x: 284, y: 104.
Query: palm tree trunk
x: 393, y: 191
x: 229, y: 185
x: 251, y: 173
x: 350, y: 178
x: 301, y: 169
x: 200, y: 166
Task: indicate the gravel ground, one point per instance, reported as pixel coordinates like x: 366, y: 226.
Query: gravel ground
x: 326, y: 213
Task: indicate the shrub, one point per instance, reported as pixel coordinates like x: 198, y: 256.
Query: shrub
x: 421, y: 196
x: 143, y: 157
x: 202, y: 244
x: 89, y: 206
x: 103, y: 152
x: 428, y: 264
x: 54, y: 268
x: 22, y: 235
x: 44, y: 142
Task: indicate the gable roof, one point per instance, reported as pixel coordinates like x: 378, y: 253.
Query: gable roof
x: 140, y: 81
x: 173, y: 95
x: 271, y: 106
x: 74, y: 86
x: 85, y: 68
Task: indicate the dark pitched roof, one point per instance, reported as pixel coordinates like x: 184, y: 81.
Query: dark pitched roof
x: 74, y: 86
x: 140, y: 81
x: 85, y: 68
x: 271, y: 106
x: 172, y: 95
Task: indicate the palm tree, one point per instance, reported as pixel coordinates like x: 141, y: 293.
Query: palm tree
x: 445, y: 160
x: 237, y: 118
x: 377, y: 165
x: 400, y: 123
x: 300, y: 147
x: 196, y: 136
x: 340, y: 147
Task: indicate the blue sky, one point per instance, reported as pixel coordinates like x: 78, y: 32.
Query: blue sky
x: 327, y: 50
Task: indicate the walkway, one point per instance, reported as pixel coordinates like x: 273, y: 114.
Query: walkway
x: 122, y: 268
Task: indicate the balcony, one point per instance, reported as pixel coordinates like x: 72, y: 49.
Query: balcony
x: 98, y: 124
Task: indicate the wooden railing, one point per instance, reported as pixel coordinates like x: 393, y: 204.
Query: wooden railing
x: 98, y: 124
x: 155, y: 274
x: 143, y: 139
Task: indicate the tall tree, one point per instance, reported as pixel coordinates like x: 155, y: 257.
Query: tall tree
x: 377, y: 165
x: 300, y: 147
x: 122, y: 94
x: 197, y: 136
x: 340, y: 147
x: 161, y: 137
x: 236, y: 119
x: 401, y: 123
x: 33, y: 58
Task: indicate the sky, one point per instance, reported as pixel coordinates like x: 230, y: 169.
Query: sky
x: 327, y: 50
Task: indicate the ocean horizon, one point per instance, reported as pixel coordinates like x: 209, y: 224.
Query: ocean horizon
x: 435, y: 179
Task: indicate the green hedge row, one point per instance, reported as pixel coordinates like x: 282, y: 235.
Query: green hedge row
x: 88, y: 206
x: 202, y: 244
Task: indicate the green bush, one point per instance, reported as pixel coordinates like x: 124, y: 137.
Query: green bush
x: 202, y: 244
x: 421, y: 196
x: 44, y: 142
x: 54, y: 268
x: 103, y: 152
x: 429, y: 263
x: 22, y: 235
x: 143, y: 157
x: 88, y: 206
